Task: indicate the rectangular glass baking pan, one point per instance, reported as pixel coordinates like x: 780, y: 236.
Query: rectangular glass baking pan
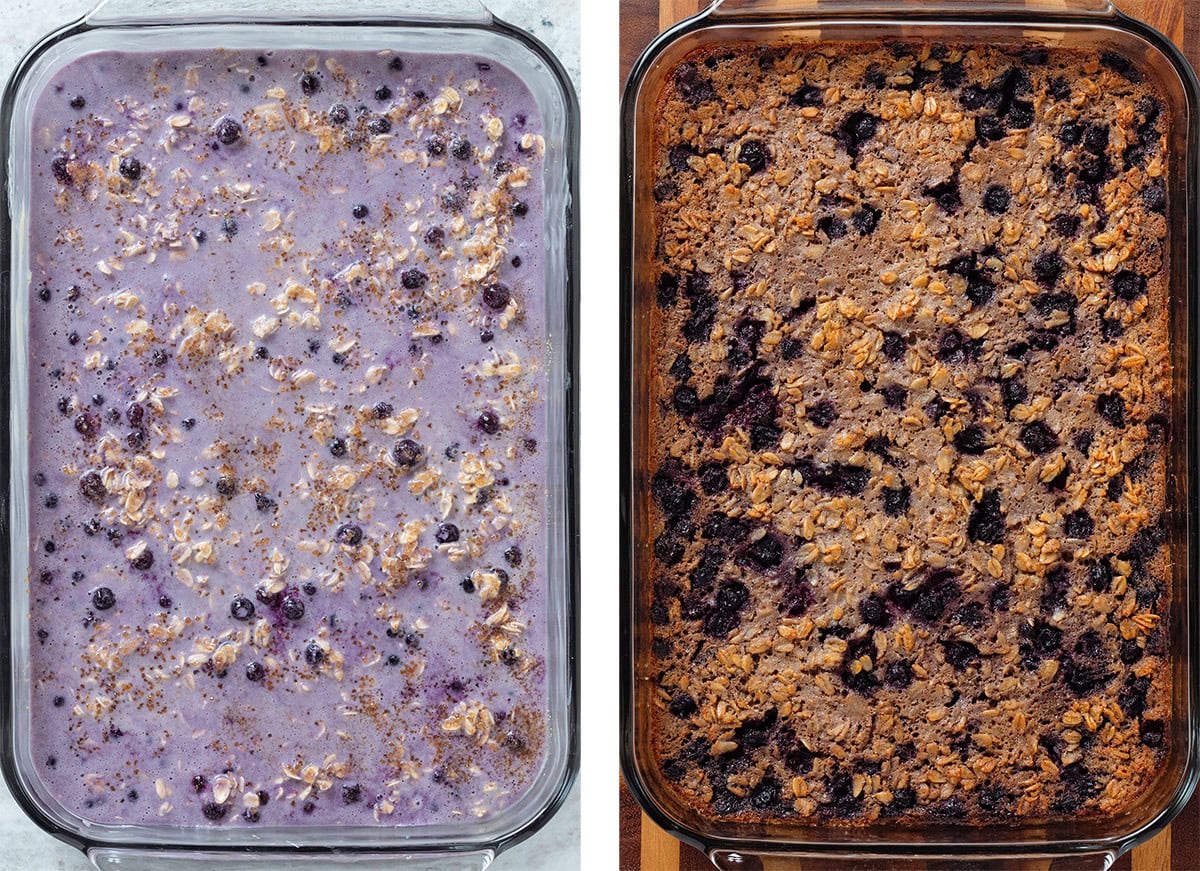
x: 448, y: 26
x: 1091, y: 23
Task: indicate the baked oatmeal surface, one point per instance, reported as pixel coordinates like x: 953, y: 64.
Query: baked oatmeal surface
x: 908, y: 417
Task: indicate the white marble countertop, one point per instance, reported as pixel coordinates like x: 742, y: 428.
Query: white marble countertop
x: 25, y: 847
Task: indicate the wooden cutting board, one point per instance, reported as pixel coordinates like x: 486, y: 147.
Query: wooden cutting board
x: 645, y: 847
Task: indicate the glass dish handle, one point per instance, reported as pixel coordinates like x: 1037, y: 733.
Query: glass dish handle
x: 117, y: 859
x: 722, y: 8
x: 726, y: 860
x: 116, y: 12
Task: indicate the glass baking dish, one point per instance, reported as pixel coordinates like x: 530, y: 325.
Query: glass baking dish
x: 449, y: 27
x: 1088, y: 843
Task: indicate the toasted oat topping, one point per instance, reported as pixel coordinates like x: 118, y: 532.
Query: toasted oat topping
x: 912, y: 389
x: 286, y: 393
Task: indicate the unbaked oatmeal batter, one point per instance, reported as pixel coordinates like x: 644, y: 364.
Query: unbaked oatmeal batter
x: 286, y: 423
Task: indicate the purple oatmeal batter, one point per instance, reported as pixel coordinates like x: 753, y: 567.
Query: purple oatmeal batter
x: 287, y: 414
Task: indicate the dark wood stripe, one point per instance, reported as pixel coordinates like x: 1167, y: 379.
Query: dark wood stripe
x: 630, y: 831
x: 691, y: 859
x: 1125, y: 863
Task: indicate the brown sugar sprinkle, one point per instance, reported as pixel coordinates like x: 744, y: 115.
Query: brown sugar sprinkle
x: 907, y: 466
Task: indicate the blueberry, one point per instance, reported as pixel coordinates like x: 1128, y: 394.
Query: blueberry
x: 866, y: 219
x: 143, y: 561
x: 753, y: 154
x: 78, y: 102
x: 1078, y: 524
x: 822, y: 413
x: 488, y: 421
x: 1066, y: 225
x: 360, y: 211
x: 1128, y: 285
x: 1154, y: 195
x: 486, y: 336
x: 251, y: 815
x: 447, y: 533
x: 766, y: 552
x: 898, y: 675
x: 292, y: 607
x: 351, y: 793
x: 130, y: 167
x: 896, y: 500
x: 808, y: 95
x: 874, y: 611
x: 229, y: 227
x: 406, y: 453
x: 946, y: 194
x: 460, y: 148
x: 520, y: 208
x: 383, y: 92
x: 1038, y: 438
x: 1152, y: 733
x: 996, y: 200
x: 91, y: 485
x: 309, y: 83
x: 986, y: 523
x: 1121, y: 65
x: 314, y: 654
x: 894, y: 395
x: 263, y: 502
x: 338, y: 114
x: 349, y: 534
x: 103, y: 598
x: 855, y: 131
x: 1047, y: 267
x: 337, y: 447
x: 379, y: 125
x: 413, y: 279
x: 87, y: 425
x: 60, y: 167
x: 227, y: 130
x: 213, y: 811
x: 496, y: 296
x: 255, y: 671
x: 971, y: 440
x: 961, y: 654
x: 894, y: 346
x: 713, y: 478
x: 682, y: 705
x: 241, y: 608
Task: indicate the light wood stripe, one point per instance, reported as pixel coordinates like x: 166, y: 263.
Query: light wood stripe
x: 660, y: 851
x: 1155, y: 854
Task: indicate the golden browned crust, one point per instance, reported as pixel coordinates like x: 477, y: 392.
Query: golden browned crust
x: 913, y: 381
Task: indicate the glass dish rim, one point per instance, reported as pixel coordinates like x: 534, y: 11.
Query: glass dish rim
x: 560, y: 781
x: 815, y: 17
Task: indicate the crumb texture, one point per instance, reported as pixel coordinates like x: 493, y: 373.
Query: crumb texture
x: 907, y: 470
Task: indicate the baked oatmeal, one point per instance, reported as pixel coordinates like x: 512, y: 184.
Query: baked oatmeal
x: 907, y: 442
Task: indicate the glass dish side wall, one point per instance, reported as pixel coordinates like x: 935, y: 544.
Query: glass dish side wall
x: 532, y: 62
x: 1169, y: 794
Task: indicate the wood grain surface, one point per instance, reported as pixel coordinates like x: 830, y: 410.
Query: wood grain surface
x: 645, y: 847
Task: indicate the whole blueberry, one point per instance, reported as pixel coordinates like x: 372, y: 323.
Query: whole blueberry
x: 496, y: 296
x: 227, y: 130
x: 309, y: 83
x: 314, y: 654
x: 241, y: 608
x: 360, y: 211
x: 255, y: 671
x: 131, y: 168
x: 406, y: 453
x: 338, y: 114
x: 413, y: 279
x: 292, y: 607
x: 488, y: 421
x: 349, y: 533
x: 103, y: 598
x: 446, y: 533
